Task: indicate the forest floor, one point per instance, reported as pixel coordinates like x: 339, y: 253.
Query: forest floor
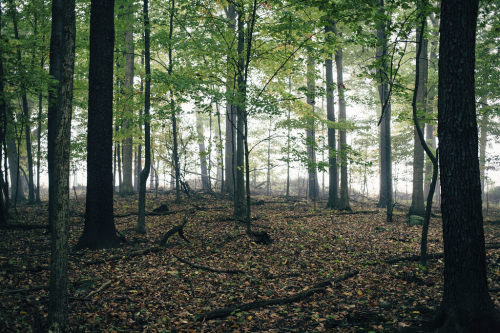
x: 143, y: 286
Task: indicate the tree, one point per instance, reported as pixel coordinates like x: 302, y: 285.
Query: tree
x: 385, y: 195
x: 205, y: 179
x: 344, y: 190
x: 4, y: 195
x: 128, y: 87
x: 417, y: 198
x: 62, y: 60
x: 99, y: 230
x: 141, y: 222
x: 330, y: 114
x: 466, y: 304
x: 313, y: 185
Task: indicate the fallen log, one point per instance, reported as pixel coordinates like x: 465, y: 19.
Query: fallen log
x: 209, y: 269
x: 20, y: 226
x: 317, y: 288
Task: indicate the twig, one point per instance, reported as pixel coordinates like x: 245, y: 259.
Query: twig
x: 101, y: 288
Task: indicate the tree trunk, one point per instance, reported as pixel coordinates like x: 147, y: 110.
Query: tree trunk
x: 466, y: 304
x: 333, y: 181
x: 239, y: 191
x: 417, y: 198
x: 127, y: 187
x: 483, y: 140
x: 385, y: 195
x: 25, y: 108
x: 141, y: 219
x: 99, y: 230
x: 205, y: 180
x: 16, y: 186
x: 220, y: 152
x: 62, y: 57
x: 343, y: 203
x: 288, y: 138
x: 268, y: 178
x: 230, y: 156
x: 4, y: 199
x: 313, y: 184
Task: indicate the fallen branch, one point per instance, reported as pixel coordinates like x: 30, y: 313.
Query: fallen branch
x: 148, y: 250
x: 317, y: 288
x: 209, y: 269
x: 178, y: 229
x: 24, y: 290
x: 19, y: 226
x: 101, y: 288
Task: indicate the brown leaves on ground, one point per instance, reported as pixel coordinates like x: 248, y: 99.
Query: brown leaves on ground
x: 144, y: 287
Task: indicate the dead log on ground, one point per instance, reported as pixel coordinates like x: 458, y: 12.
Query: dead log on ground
x: 317, y: 288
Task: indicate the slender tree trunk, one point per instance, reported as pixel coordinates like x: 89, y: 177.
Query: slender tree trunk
x: 141, y: 220
x: 205, y: 180
x: 220, y: 151
x: 127, y: 187
x: 39, y: 139
x: 311, y: 133
x: 343, y: 203
x: 16, y: 189
x: 239, y: 191
x: 385, y: 195
x: 268, y: 180
x: 62, y: 57
x: 466, y: 304
x: 4, y: 195
x: 25, y: 108
x: 482, y: 151
x: 417, y: 198
x: 288, y: 138
x: 99, y: 230
x: 333, y: 181
x: 139, y: 148
x: 230, y: 153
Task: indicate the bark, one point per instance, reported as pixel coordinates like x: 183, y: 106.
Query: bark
x: 268, y: 179
x: 99, y: 230
x: 62, y: 58
x: 417, y: 198
x: 172, y: 109
x: 239, y: 191
x: 483, y: 140
x: 230, y: 156
x: 220, y: 152
x: 16, y: 189
x: 333, y: 181
x: 205, y: 180
x: 385, y: 194
x: 4, y: 199
x: 431, y: 106
x: 288, y: 139
x: 141, y: 220
x: 343, y: 203
x: 466, y: 306
x: 25, y: 108
x: 313, y: 184
x: 127, y: 187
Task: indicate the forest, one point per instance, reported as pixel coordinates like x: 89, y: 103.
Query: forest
x: 250, y: 166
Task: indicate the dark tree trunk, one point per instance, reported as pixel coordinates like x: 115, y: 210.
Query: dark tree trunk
x: 239, y: 191
x: 417, y: 198
x: 141, y: 220
x: 25, y: 108
x: 288, y: 138
x: 333, y: 183
x: 127, y: 187
x: 343, y: 203
x: 466, y: 305
x: 385, y: 195
x: 3, y: 128
x: 205, y: 180
x: 16, y: 186
x: 62, y: 59
x: 313, y: 184
x: 230, y: 156
x: 99, y: 230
